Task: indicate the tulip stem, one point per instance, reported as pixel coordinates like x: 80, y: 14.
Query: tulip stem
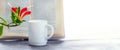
x: 9, y: 25
x: 13, y: 25
x: 3, y: 24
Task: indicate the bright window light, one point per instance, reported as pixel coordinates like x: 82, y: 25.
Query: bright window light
x: 92, y: 19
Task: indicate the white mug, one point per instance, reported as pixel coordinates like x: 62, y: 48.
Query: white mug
x: 38, y: 32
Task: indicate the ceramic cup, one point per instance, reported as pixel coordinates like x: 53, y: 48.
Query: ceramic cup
x: 38, y: 32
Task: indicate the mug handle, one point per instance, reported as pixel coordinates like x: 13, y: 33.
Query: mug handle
x: 52, y: 31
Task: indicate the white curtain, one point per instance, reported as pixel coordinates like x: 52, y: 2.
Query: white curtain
x: 92, y: 19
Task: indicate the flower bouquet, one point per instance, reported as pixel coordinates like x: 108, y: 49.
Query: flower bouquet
x: 17, y: 15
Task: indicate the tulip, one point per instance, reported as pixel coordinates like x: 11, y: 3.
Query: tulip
x: 14, y: 9
x: 22, y: 13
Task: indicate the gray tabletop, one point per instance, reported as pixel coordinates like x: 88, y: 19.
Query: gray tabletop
x: 24, y: 45
x: 59, y: 45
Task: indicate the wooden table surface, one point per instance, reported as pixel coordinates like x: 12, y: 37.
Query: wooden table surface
x: 58, y: 45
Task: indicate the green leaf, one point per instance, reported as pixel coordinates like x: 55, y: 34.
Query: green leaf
x: 13, y: 17
x: 18, y: 10
x: 18, y: 21
x: 1, y: 30
x: 3, y: 20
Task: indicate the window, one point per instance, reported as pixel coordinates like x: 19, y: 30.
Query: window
x: 92, y: 19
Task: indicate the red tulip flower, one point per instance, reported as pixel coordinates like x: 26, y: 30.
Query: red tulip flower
x: 21, y: 13
x: 17, y: 16
x: 14, y: 9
